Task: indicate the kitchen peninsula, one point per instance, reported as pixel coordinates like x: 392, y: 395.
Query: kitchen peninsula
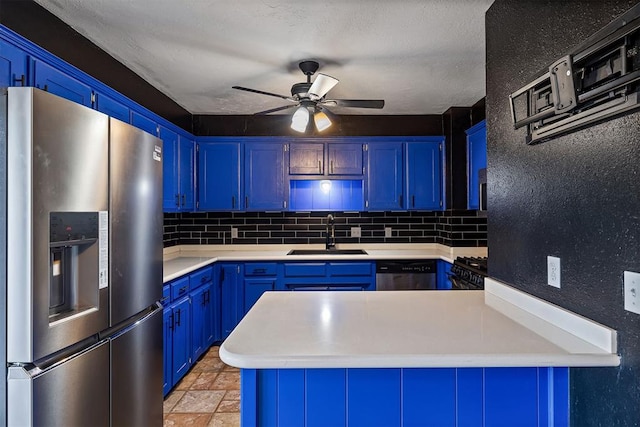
x: 493, y: 357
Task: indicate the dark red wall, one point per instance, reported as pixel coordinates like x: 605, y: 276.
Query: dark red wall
x: 576, y: 197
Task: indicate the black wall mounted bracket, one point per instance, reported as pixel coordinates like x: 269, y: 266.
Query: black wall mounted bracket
x: 600, y: 79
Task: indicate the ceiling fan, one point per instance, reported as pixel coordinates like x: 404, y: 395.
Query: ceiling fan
x: 309, y: 98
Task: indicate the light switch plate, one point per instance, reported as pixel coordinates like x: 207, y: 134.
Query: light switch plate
x: 553, y: 271
x: 632, y: 291
x: 356, y: 232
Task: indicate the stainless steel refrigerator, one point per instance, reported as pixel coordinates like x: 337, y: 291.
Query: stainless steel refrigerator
x: 81, y: 271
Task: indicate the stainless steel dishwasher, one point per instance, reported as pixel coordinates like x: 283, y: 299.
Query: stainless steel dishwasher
x: 399, y: 275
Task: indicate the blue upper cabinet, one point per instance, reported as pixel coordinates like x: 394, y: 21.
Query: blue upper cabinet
x: 477, y: 160
x: 111, y: 107
x: 177, y: 171
x: 345, y: 158
x: 424, y: 175
x: 306, y: 158
x: 385, y: 176
x: 13, y: 66
x: 50, y: 79
x: 219, y: 176
x: 264, y: 176
x: 171, y: 197
x: 187, y: 173
x: 144, y: 123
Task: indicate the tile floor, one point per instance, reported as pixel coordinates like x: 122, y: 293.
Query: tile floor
x: 208, y: 396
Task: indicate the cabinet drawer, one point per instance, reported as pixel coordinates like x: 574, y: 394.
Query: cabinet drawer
x: 260, y: 269
x: 201, y: 277
x: 179, y: 288
x: 304, y: 269
x: 350, y: 269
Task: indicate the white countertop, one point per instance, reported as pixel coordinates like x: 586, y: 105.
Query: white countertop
x: 487, y: 328
x: 181, y: 260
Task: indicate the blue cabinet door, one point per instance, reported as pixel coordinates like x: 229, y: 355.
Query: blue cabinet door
x: 476, y: 159
x: 209, y: 316
x: 56, y: 82
x: 232, y: 297
x: 186, y: 173
x: 424, y: 175
x: 219, y: 176
x: 171, y: 197
x: 144, y: 123
x: 13, y: 66
x: 112, y: 108
x: 306, y: 158
x: 181, y: 350
x: 384, y: 177
x: 254, y: 288
x: 345, y: 158
x: 198, y: 303
x: 264, y: 176
x: 167, y: 346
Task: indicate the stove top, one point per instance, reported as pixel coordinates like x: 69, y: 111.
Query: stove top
x: 469, y: 272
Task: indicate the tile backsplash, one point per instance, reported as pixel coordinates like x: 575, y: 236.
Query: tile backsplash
x: 451, y: 227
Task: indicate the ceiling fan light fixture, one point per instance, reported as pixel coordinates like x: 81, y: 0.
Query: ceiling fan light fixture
x: 300, y: 119
x: 321, y: 120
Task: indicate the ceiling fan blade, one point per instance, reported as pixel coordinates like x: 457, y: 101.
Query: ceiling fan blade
x: 273, y: 110
x: 288, y: 98
x: 359, y: 103
x: 321, y: 85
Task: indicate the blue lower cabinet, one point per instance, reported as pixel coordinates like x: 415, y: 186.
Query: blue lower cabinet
x: 167, y: 346
x: 198, y: 304
x: 181, y: 351
x: 232, y: 296
x: 253, y: 290
x: 203, y: 315
x: 456, y: 397
x: 443, y: 273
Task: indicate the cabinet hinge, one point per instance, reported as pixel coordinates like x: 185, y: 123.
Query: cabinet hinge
x: 197, y: 148
x: 364, y: 170
x: 286, y: 147
x: 440, y: 147
x: 197, y: 205
x: 238, y: 268
x: 365, y: 147
x: 440, y: 203
x: 366, y: 204
x: 157, y: 130
x: 93, y: 98
x: 284, y: 204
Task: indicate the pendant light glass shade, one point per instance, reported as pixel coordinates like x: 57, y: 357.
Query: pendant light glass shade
x: 300, y: 119
x: 322, y: 121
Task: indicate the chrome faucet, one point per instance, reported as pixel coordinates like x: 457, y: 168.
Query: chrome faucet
x: 331, y: 232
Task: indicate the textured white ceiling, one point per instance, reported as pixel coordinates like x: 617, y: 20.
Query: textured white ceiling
x: 420, y: 56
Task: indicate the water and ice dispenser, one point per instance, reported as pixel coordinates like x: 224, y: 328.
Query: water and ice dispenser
x: 74, y: 263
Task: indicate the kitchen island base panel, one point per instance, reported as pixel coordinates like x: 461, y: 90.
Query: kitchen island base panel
x: 354, y: 397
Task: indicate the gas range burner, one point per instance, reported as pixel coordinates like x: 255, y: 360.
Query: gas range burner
x: 468, y: 273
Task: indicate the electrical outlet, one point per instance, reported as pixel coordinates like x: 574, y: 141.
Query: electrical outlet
x: 632, y: 291
x: 553, y: 271
x: 234, y: 233
x: 356, y: 232
x: 388, y: 232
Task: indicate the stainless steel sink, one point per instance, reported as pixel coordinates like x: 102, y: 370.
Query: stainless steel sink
x: 327, y: 252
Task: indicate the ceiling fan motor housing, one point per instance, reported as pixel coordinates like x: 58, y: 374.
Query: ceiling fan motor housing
x: 300, y: 90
